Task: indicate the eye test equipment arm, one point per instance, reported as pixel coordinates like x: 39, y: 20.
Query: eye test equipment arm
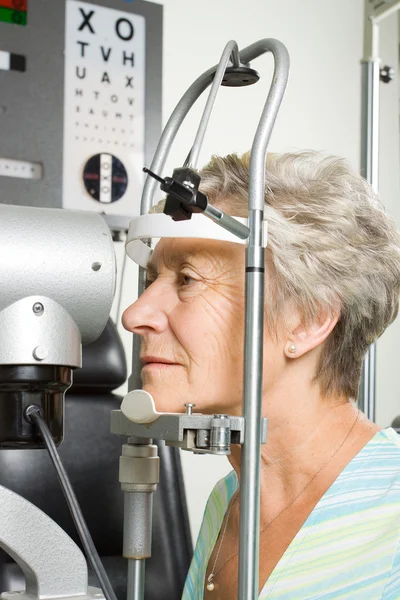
x: 372, y: 74
x: 138, y: 419
x: 58, y: 276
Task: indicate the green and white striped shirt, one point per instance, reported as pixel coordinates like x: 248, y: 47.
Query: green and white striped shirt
x: 347, y: 549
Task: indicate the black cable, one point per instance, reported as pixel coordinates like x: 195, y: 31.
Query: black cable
x: 34, y: 414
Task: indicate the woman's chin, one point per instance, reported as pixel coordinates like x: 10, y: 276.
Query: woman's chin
x: 166, y: 401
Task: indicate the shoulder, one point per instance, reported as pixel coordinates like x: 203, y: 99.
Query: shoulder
x: 368, y: 489
x: 387, y: 438
x: 382, y: 456
x: 376, y: 468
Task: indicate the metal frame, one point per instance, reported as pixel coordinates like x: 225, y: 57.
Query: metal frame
x: 253, y: 355
x: 370, y: 156
x: 52, y: 570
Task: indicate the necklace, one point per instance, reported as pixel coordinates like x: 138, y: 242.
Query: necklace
x: 210, y: 579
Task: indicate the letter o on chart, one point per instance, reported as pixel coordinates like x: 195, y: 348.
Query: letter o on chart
x: 124, y: 29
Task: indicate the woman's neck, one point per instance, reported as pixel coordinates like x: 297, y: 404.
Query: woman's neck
x: 305, y: 438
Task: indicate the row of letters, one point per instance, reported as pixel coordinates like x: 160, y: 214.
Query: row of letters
x: 96, y: 96
x: 127, y: 58
x: 103, y: 113
x: 123, y: 27
x: 81, y: 73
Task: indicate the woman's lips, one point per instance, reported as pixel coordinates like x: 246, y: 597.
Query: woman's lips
x: 159, y: 365
x: 155, y: 361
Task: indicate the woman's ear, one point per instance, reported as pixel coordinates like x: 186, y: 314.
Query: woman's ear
x: 302, y: 339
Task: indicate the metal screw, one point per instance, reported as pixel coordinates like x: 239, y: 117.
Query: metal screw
x: 40, y: 352
x: 38, y: 308
x: 189, y: 408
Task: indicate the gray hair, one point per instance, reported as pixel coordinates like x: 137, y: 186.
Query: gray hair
x: 330, y: 247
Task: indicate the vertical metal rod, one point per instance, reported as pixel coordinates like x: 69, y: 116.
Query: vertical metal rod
x: 370, y: 122
x: 252, y: 410
x: 138, y: 511
x: 370, y: 170
x: 249, y: 536
x: 136, y: 569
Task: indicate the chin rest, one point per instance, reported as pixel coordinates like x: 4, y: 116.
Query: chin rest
x: 90, y: 454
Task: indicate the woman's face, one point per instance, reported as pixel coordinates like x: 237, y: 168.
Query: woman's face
x: 191, y: 321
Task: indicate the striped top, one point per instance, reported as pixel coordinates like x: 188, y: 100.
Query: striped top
x: 348, y: 548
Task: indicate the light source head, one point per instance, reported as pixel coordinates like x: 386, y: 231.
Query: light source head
x: 58, y: 277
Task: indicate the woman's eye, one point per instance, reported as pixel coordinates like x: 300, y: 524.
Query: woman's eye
x: 187, y: 279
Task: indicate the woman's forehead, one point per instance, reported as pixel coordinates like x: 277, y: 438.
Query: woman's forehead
x: 175, y: 251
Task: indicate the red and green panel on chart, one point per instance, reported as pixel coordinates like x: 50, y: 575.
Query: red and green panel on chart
x: 14, y: 11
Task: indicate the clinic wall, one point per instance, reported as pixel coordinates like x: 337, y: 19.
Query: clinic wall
x: 321, y: 111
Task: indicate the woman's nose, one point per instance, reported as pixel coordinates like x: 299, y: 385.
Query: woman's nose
x: 148, y: 313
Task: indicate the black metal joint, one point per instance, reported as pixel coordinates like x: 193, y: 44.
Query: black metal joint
x: 183, y: 197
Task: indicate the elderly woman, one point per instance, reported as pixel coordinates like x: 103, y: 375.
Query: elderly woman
x: 330, y: 479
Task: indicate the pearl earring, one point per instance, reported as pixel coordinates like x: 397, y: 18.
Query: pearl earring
x: 292, y: 349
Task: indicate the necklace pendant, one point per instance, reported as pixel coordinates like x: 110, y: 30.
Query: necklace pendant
x: 210, y: 586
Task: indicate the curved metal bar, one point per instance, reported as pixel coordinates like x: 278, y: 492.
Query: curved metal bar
x: 179, y: 113
x: 267, y: 121
x: 168, y: 135
x: 216, y: 86
x: 235, y: 58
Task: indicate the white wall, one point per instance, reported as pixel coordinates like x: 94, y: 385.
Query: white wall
x: 321, y: 111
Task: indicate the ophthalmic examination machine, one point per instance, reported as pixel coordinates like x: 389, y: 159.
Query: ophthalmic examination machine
x: 58, y: 284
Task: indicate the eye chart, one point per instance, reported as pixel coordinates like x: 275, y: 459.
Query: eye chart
x: 104, y: 107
